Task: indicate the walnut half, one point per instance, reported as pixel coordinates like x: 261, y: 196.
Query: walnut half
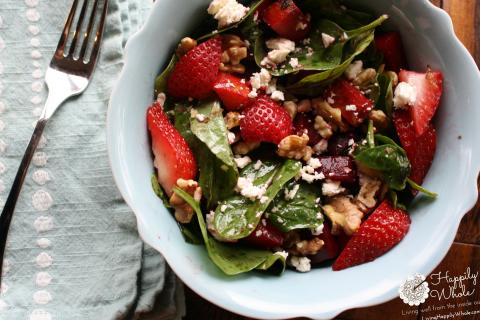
x: 235, y: 50
x: 183, y: 211
x: 344, y: 214
x: 295, y: 147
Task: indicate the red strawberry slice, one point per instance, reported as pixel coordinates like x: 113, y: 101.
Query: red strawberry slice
x: 391, y: 46
x: 420, y: 149
x: 384, y: 229
x: 287, y: 20
x: 345, y: 96
x: 305, y: 123
x: 265, y: 236
x: 232, y: 91
x: 173, y: 157
x: 265, y: 121
x: 195, y: 72
x: 429, y: 87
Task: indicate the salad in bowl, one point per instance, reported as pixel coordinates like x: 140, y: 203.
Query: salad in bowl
x: 292, y: 134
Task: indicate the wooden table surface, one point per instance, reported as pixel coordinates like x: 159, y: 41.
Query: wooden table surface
x: 464, y: 253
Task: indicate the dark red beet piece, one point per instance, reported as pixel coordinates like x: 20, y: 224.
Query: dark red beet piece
x: 338, y: 168
x: 391, y: 46
x: 340, y: 145
x: 306, y: 122
x: 265, y: 236
x: 330, y: 249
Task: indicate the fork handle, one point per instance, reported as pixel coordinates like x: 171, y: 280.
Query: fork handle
x: 9, y: 208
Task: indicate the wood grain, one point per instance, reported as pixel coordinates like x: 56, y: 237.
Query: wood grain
x: 464, y: 252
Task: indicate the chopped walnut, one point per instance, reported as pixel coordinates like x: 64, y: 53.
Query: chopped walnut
x: 344, y: 214
x: 322, y: 127
x: 307, y: 247
x: 369, y: 188
x: 393, y: 76
x: 304, y: 106
x: 379, y: 118
x: 186, y: 44
x: 235, y: 50
x: 183, y: 211
x: 365, y: 77
x: 244, y: 147
x: 330, y: 114
x: 232, y: 119
x: 295, y: 147
x: 291, y: 108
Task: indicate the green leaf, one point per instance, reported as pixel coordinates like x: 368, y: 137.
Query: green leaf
x: 386, y: 140
x: 161, y: 80
x: 234, y: 259
x: 389, y: 160
x: 385, y: 98
x: 300, y: 212
x: 421, y: 189
x: 394, y: 198
x: 218, y: 172
x: 248, y: 18
x: 159, y: 191
x: 240, y: 216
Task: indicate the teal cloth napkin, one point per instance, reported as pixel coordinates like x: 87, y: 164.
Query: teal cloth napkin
x: 73, y: 251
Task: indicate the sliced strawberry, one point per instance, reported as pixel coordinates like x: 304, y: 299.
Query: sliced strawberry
x: 429, y: 88
x: 265, y: 121
x: 420, y: 149
x: 305, y: 123
x: 345, y: 96
x: 173, y: 157
x: 265, y: 236
x: 287, y: 20
x: 330, y: 247
x: 232, y: 91
x: 391, y: 46
x: 384, y: 229
x: 195, y: 72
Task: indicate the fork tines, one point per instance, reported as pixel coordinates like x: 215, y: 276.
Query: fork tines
x: 82, y: 34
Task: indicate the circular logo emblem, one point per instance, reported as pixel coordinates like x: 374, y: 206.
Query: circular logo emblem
x: 414, y: 291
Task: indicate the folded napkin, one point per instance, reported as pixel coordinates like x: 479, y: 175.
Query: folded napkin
x: 73, y: 251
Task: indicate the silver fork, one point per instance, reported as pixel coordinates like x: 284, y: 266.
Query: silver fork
x: 67, y: 75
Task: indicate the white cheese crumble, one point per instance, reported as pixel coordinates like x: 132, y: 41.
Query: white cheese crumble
x: 280, y: 49
x: 317, y: 231
x: 351, y: 107
x: 161, y: 98
x: 246, y: 188
x: 283, y: 254
x: 405, y: 95
x: 332, y: 188
x: 314, y: 163
x: 290, y: 194
x: 227, y: 12
x: 231, y: 137
x: 354, y: 69
x: 302, y: 264
x: 242, y: 162
x: 294, y: 63
x: 278, y: 95
x: 327, y: 40
x: 258, y: 165
x: 258, y: 233
x: 309, y: 175
x: 259, y: 80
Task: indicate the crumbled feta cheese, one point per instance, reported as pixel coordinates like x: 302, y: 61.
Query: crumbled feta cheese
x: 314, y: 163
x: 306, y: 41
x: 260, y: 79
x: 302, y: 264
x: 332, y: 188
x: 309, y: 175
x: 301, y: 26
x: 231, y: 137
x: 351, y: 107
x: 253, y: 94
x: 405, y: 95
x: 317, y: 231
x: 354, y: 69
x: 321, y: 147
x: 290, y: 194
x: 327, y: 40
x: 264, y: 222
x: 280, y: 44
x: 258, y: 233
x: 161, y: 98
x: 227, y: 12
x: 223, y: 207
x: 309, y: 52
x: 200, y: 117
x: 264, y: 199
x: 242, y: 162
x: 246, y: 188
x: 294, y: 63
x: 258, y: 165
x: 280, y: 49
x: 283, y: 254
x: 278, y: 95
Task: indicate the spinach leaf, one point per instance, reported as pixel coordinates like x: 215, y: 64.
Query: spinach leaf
x: 385, y: 98
x: 161, y: 80
x: 159, y: 191
x: 248, y: 17
x: 421, y: 189
x: 395, y: 201
x: 234, y: 259
x: 240, y: 216
x: 386, y: 140
x: 300, y: 212
x: 389, y: 160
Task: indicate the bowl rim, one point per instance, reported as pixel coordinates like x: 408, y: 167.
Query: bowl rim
x: 316, y: 313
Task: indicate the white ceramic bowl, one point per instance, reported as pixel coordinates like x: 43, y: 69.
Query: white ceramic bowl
x: 322, y: 293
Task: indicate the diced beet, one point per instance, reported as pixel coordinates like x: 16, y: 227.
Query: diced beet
x: 391, y: 46
x: 338, y: 168
x: 341, y: 144
x: 350, y: 100
x: 330, y: 249
x: 265, y: 236
x: 306, y: 121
